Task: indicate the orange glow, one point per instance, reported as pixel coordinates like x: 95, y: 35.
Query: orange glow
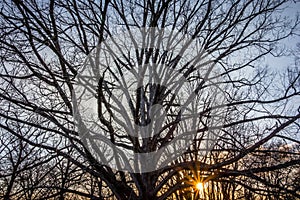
x: 199, y: 186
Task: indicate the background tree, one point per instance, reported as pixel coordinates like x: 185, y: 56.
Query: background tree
x: 43, y: 46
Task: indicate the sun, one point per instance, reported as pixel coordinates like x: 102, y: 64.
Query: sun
x: 199, y: 186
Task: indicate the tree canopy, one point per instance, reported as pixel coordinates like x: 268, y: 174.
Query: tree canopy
x: 213, y: 51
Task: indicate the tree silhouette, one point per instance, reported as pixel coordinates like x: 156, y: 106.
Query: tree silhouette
x: 46, y: 45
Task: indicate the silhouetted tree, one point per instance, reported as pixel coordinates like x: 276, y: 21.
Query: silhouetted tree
x: 44, y: 45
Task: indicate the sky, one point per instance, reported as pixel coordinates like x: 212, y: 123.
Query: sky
x: 281, y: 63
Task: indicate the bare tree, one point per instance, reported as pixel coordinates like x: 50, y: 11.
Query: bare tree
x: 44, y: 45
